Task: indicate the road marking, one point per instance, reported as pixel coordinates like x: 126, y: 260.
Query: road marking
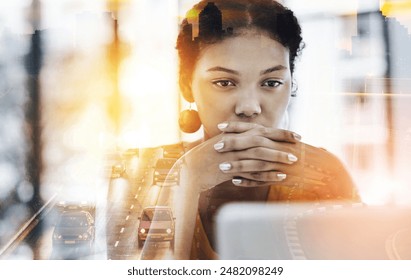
x: 132, y: 206
x: 135, y: 197
x: 139, y: 188
x: 115, y: 245
x: 128, y: 216
x: 122, y: 230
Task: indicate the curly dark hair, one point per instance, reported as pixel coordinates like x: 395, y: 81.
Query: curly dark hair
x: 220, y: 19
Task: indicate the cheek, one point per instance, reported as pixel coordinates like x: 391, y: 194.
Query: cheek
x: 212, y: 112
x: 212, y: 107
x: 276, y: 109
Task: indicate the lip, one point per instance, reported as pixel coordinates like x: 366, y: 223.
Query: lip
x: 258, y: 120
x: 247, y: 119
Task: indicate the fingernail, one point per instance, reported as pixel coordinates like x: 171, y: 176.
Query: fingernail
x: 296, y: 136
x: 237, y: 181
x: 222, y: 125
x: 292, y: 158
x: 219, y: 145
x: 281, y: 176
x: 225, y: 166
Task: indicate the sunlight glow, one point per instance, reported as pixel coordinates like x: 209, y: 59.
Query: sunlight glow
x: 148, y: 76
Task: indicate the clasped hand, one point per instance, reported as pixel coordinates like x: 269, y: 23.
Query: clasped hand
x: 248, y: 154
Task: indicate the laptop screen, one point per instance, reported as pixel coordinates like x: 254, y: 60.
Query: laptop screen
x: 333, y: 231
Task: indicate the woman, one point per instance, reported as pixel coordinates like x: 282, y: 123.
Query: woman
x: 239, y: 72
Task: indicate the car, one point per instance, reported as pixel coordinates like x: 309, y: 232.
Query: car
x: 164, y: 172
x: 118, y: 170
x: 114, y: 164
x: 156, y: 224
x: 75, y: 228
x: 173, y: 151
x: 75, y: 205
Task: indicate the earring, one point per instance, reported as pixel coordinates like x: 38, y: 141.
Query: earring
x: 189, y: 121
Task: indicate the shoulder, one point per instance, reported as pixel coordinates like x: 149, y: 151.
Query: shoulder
x: 318, y: 175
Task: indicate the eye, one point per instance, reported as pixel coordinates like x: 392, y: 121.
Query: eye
x: 271, y: 83
x: 224, y: 83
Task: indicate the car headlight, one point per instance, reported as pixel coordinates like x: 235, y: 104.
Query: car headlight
x: 57, y: 236
x: 143, y: 230
x: 156, y: 173
x: 168, y: 230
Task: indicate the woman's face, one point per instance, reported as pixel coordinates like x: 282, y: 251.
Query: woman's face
x: 244, y: 78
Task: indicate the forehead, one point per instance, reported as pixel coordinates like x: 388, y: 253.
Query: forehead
x: 244, y: 51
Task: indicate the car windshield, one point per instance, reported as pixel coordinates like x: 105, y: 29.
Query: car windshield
x: 73, y: 221
x: 165, y: 163
x: 156, y: 215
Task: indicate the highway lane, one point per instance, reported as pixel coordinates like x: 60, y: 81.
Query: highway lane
x: 125, y: 201
x: 116, y: 219
x: 122, y: 218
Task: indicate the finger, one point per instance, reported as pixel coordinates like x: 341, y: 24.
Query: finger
x: 266, y: 176
x: 251, y: 166
x: 242, y: 142
x: 288, y: 181
x: 269, y: 132
x: 237, y: 127
x: 233, y: 142
x: 243, y: 182
x: 266, y: 154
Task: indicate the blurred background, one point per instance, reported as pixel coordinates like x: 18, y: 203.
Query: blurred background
x: 82, y: 80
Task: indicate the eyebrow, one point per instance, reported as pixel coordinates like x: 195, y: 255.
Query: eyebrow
x: 273, y: 69
x: 227, y: 70
x: 222, y: 69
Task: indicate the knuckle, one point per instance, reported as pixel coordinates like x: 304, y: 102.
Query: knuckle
x: 278, y: 157
x: 259, y: 141
x: 257, y: 175
x: 262, y: 130
x: 281, y: 147
x: 239, y: 166
x: 228, y: 141
x: 284, y: 133
x: 261, y: 165
x: 259, y: 152
x: 233, y: 126
x: 231, y: 156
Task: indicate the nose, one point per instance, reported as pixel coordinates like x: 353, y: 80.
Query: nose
x: 248, y: 104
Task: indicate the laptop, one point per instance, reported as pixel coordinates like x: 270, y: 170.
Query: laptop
x: 326, y: 231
